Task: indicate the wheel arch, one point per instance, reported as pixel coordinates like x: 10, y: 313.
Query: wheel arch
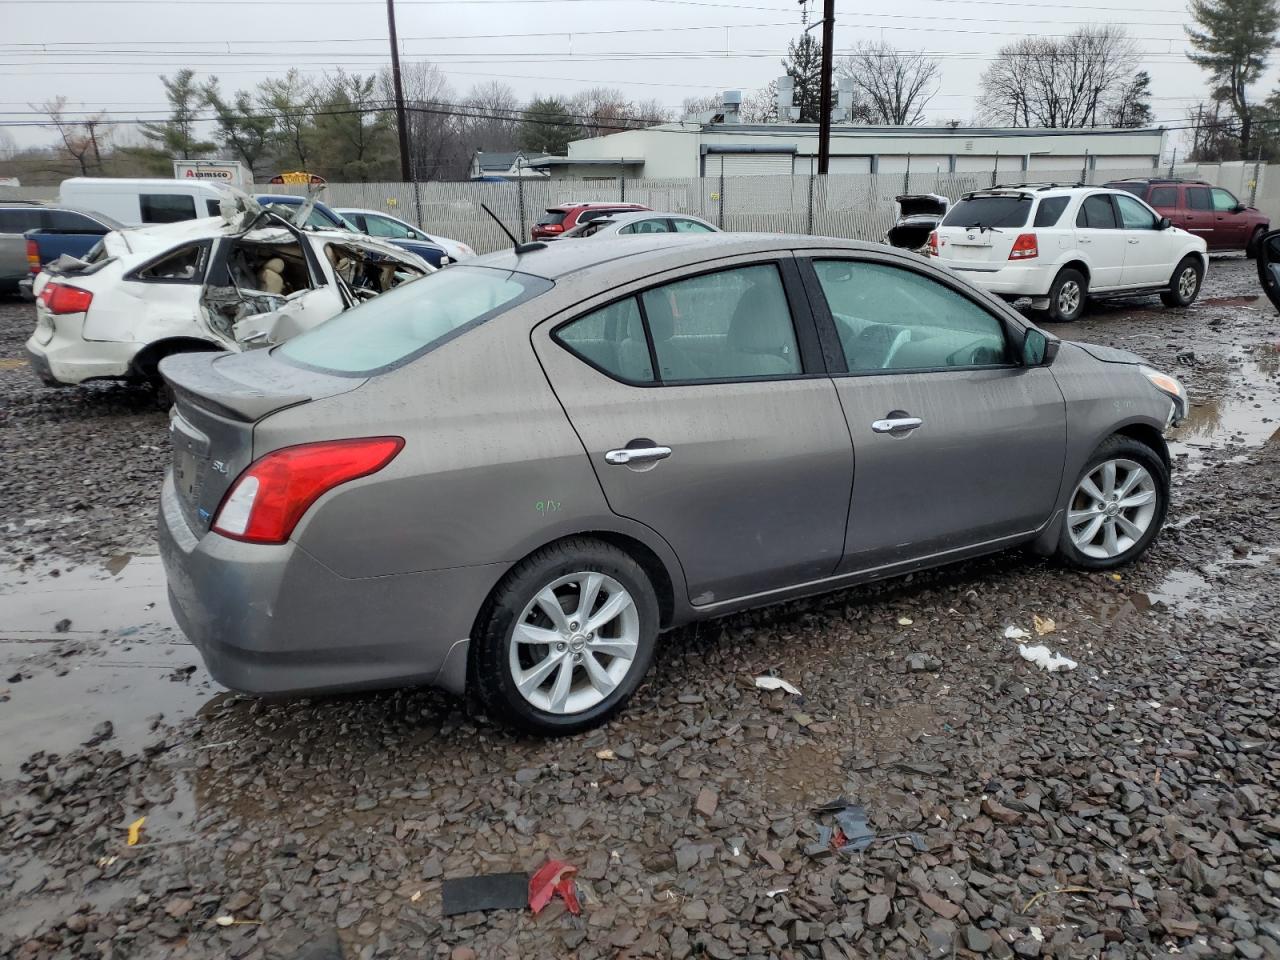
x: 146, y: 362
x: 1078, y: 265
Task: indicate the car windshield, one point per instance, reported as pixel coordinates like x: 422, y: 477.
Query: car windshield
x: 405, y: 323
x: 996, y: 211
x: 551, y: 217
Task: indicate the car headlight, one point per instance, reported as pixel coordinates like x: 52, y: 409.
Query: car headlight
x: 1171, y: 388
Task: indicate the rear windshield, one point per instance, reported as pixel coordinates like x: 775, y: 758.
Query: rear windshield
x: 989, y: 212
x: 406, y: 322
x: 551, y: 217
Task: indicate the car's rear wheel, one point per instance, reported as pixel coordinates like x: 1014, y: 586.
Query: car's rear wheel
x: 1184, y: 285
x: 1254, y: 245
x: 1067, y: 295
x: 566, y: 638
x: 1117, y: 507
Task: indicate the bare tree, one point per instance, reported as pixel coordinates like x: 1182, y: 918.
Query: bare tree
x: 761, y: 106
x: 81, y: 139
x: 895, y: 85
x: 436, y: 150
x: 490, y: 118
x: 1046, y: 82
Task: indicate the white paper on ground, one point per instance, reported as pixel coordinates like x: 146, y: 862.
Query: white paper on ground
x: 776, y: 683
x: 1015, y: 633
x: 1046, y: 659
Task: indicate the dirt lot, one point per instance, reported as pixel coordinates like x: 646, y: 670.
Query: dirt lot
x: 1127, y: 808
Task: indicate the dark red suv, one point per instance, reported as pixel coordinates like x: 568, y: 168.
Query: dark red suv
x: 1203, y: 209
x: 566, y: 216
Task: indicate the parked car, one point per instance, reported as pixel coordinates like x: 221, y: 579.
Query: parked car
x: 148, y: 200
x: 629, y: 224
x: 1269, y: 266
x: 1061, y: 245
x: 326, y: 218
x: 918, y: 216
x: 512, y: 475
x: 564, y: 217
x: 379, y: 224
x: 249, y: 280
x: 1198, y: 207
x: 33, y: 234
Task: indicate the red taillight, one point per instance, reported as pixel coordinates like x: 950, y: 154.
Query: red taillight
x: 60, y: 298
x: 33, y: 256
x: 552, y: 228
x: 269, y: 498
x: 1025, y: 247
x: 933, y: 243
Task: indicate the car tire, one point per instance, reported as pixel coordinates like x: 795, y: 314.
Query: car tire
x: 552, y: 704
x: 1067, y: 295
x: 1255, y: 243
x: 1184, y: 285
x: 1136, y: 472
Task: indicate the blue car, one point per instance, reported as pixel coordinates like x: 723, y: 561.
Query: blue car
x: 324, y: 218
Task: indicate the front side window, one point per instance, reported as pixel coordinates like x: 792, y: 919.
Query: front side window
x: 994, y: 211
x: 1050, y: 211
x: 1198, y: 198
x: 1224, y: 201
x: 1133, y: 215
x: 1097, y: 213
x: 1164, y: 196
x: 888, y: 318
x: 166, y: 207
x: 395, y: 327
x: 690, y: 226
x: 730, y: 325
x: 612, y: 339
x: 383, y: 227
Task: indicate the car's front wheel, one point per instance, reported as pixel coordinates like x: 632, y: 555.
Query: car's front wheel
x: 1117, y: 507
x: 1067, y: 295
x: 1184, y: 285
x: 566, y: 638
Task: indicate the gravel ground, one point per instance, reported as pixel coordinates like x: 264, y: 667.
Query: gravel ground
x: 1126, y: 809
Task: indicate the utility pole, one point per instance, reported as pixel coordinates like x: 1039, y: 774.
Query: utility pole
x: 824, y: 101
x: 401, y: 122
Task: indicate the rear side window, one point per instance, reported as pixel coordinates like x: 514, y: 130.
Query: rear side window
x: 68, y: 221
x: 1164, y: 197
x: 646, y: 226
x: 1198, y: 198
x: 551, y: 217
x: 690, y: 226
x: 1050, y: 211
x: 166, y: 207
x: 404, y: 323
x: 611, y: 339
x: 185, y: 265
x: 1097, y: 213
x: 989, y: 212
x: 20, y: 219
x: 214, y: 207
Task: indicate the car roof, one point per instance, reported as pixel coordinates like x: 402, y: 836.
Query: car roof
x: 649, y: 215
x: 655, y: 251
x: 592, y: 205
x: 54, y: 206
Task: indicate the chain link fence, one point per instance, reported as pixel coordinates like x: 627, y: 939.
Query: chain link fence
x: 851, y: 206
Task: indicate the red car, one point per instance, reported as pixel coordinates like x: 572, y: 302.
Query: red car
x: 1203, y: 209
x: 566, y: 216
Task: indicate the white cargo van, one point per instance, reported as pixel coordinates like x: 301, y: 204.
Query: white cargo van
x: 136, y: 201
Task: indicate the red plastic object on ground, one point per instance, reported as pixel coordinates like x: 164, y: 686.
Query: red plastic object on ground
x: 555, y: 876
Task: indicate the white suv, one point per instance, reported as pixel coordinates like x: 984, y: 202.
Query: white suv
x: 1060, y: 244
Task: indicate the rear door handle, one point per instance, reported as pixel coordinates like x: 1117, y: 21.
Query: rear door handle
x: 636, y: 455
x: 1133, y: 240
x: 896, y: 425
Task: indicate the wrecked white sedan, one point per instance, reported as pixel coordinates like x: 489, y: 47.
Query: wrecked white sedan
x: 249, y: 278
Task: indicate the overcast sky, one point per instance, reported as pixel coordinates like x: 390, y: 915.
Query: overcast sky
x: 107, y: 54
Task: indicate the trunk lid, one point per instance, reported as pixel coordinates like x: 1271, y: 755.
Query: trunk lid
x: 218, y: 400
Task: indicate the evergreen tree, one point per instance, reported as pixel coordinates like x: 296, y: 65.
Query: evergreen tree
x: 176, y: 136
x: 1232, y: 39
x: 547, y: 127
x: 804, y: 67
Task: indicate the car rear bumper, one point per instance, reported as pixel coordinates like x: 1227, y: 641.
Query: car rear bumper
x: 65, y: 360
x: 1012, y: 280
x: 274, y: 619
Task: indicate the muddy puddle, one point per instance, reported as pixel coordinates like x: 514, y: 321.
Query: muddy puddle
x: 1249, y: 415
x: 82, y: 645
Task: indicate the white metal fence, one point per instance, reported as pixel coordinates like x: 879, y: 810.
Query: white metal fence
x: 853, y: 206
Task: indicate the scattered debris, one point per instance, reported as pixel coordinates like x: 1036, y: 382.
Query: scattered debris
x: 905, y: 621
x: 101, y: 732
x: 555, y: 876
x: 776, y: 683
x: 1186, y: 358
x: 606, y: 754
x: 776, y: 892
x: 1016, y: 633
x: 62, y: 626
x: 226, y: 920
x: 852, y: 833
x: 135, y: 831
x: 494, y: 891
x: 1046, y: 659
x: 1043, y: 625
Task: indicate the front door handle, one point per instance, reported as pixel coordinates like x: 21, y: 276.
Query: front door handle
x: 636, y: 455
x: 896, y: 424
x: 1133, y: 240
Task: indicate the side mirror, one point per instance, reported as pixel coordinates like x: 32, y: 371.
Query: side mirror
x: 1164, y: 224
x: 1038, y: 348
x: 413, y: 235
x: 1239, y: 208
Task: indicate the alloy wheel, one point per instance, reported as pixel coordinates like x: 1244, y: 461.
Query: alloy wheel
x: 574, y: 643
x: 1112, y: 508
x: 1068, y: 298
x: 1187, y: 283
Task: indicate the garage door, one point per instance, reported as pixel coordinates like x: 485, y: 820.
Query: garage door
x: 749, y: 164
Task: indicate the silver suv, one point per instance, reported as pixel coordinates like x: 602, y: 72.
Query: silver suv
x: 510, y: 476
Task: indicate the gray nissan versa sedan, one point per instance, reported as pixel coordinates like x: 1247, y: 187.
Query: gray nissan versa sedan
x: 512, y: 475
